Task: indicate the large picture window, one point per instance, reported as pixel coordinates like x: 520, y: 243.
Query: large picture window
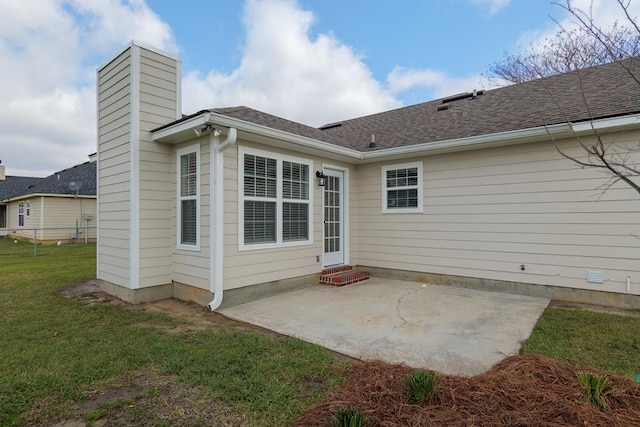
x: 189, y: 197
x: 402, y: 188
x: 275, y: 193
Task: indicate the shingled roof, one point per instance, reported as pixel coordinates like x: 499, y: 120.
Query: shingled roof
x: 13, y: 186
x: 602, y: 91
x: 598, y: 92
x: 57, y: 183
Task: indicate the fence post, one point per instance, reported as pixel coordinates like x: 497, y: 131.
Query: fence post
x: 35, y: 247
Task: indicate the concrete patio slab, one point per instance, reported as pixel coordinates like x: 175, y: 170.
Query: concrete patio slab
x: 450, y: 330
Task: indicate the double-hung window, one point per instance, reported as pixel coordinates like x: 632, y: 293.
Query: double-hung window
x: 275, y: 197
x: 21, y: 214
x: 402, y: 187
x: 188, y: 226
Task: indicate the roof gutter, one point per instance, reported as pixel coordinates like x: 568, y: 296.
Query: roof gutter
x: 520, y: 136
x: 216, y: 236
x: 30, y: 195
x: 171, y: 134
x: 184, y: 130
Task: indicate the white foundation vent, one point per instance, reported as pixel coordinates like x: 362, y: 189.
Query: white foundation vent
x: 595, y: 276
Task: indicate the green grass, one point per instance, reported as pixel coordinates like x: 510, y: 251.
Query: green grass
x: 55, y: 352
x: 588, y: 339
x: 58, y: 355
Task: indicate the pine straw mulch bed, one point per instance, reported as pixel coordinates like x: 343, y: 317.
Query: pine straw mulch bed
x: 521, y: 390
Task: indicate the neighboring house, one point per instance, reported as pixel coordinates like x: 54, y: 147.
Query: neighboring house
x: 466, y: 190
x: 60, y: 207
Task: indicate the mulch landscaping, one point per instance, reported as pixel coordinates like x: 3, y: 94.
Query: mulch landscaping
x: 522, y: 390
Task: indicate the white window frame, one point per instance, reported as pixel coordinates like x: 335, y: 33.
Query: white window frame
x: 279, y: 200
x: 195, y: 148
x: 385, y: 190
x: 28, y: 208
x: 21, y: 214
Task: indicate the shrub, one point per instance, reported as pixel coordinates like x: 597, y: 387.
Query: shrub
x: 348, y: 417
x: 595, y: 387
x: 421, y: 385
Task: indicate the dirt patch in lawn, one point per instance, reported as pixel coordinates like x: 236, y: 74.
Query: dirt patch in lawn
x: 522, y: 390
x: 194, y: 317
x: 141, y: 399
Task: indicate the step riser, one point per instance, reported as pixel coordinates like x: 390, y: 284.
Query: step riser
x: 344, y: 277
x: 334, y: 270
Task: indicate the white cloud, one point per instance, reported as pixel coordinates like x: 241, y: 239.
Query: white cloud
x: 494, y: 5
x: 438, y: 83
x: 605, y: 13
x: 48, y: 91
x: 55, y: 46
x: 286, y: 73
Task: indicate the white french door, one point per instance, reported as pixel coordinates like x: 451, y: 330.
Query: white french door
x: 333, y: 216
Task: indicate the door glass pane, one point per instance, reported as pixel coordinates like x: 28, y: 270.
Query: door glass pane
x: 332, y: 215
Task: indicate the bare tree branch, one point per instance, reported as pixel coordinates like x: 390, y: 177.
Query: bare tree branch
x: 572, y: 49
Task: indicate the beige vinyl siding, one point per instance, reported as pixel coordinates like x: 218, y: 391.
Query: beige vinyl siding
x: 249, y: 267
x: 158, y: 106
x: 25, y: 232
x: 53, y: 218
x: 60, y: 215
x: 114, y: 166
x: 487, y: 212
x: 189, y: 266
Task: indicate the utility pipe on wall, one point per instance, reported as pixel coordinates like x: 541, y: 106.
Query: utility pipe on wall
x: 216, y: 236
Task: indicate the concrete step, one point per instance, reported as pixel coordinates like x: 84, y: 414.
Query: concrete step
x: 336, y: 269
x: 343, y: 277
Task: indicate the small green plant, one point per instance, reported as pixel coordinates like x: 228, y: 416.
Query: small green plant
x: 421, y: 385
x: 595, y: 387
x: 348, y: 417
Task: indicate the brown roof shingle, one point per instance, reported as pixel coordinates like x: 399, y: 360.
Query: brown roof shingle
x: 598, y: 92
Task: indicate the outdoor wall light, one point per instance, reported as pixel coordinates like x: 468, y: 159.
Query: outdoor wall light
x: 206, y: 128
x: 322, y: 178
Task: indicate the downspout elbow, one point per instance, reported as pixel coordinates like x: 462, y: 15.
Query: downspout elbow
x: 232, y: 137
x: 217, y: 237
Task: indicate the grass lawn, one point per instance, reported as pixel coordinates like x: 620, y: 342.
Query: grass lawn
x: 116, y: 364
x: 586, y: 338
x: 64, y: 360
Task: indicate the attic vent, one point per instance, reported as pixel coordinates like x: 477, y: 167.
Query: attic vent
x: 443, y: 107
x: 330, y: 126
x: 465, y: 95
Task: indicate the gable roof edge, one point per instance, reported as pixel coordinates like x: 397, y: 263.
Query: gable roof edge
x: 183, y: 131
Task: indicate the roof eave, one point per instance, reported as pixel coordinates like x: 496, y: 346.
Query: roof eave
x: 31, y: 195
x: 183, y: 131
x: 520, y: 136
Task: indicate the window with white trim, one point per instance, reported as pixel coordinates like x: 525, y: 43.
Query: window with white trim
x: 28, y: 208
x: 188, y: 168
x: 275, y: 197
x: 21, y: 214
x: 402, y: 187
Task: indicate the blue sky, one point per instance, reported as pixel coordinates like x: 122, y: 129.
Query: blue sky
x: 313, y: 61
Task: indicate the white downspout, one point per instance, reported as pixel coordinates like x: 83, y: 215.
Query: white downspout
x: 216, y: 236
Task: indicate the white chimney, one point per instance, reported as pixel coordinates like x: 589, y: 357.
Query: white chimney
x: 2, y: 176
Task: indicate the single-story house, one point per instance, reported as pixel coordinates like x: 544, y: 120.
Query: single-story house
x: 60, y: 207
x: 228, y: 204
